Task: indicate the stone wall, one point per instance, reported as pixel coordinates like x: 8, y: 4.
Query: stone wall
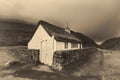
x: 20, y: 55
x: 66, y: 57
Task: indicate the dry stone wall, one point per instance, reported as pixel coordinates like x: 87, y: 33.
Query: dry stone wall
x: 66, y: 57
x: 20, y: 55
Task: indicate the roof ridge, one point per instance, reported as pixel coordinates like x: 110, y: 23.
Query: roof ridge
x: 45, y: 22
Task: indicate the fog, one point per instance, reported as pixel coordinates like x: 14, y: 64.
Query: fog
x: 98, y: 19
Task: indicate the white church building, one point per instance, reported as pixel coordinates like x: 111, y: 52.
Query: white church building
x: 49, y: 38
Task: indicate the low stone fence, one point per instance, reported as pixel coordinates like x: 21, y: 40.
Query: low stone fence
x: 66, y: 57
x: 20, y: 55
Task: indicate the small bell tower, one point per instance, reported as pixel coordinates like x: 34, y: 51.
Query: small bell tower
x: 67, y: 29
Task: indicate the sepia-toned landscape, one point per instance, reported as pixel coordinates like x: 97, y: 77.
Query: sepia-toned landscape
x: 59, y: 40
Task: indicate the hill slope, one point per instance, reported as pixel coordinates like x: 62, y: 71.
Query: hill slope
x: 13, y: 32
x: 113, y: 44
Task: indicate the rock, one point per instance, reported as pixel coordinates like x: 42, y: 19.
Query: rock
x: 12, y: 63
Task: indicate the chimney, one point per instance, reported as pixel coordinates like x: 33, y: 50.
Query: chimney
x: 67, y: 29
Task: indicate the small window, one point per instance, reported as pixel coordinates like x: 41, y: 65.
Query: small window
x: 66, y: 45
x: 74, y: 45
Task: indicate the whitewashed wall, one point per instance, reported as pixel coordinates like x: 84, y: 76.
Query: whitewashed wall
x: 39, y: 35
x: 61, y: 46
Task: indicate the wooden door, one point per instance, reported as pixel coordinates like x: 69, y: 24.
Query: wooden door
x: 46, y: 52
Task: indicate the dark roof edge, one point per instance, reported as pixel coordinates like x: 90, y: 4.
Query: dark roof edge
x: 42, y: 22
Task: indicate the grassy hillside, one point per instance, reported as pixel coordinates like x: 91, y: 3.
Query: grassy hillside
x: 14, y: 32
x: 112, y: 44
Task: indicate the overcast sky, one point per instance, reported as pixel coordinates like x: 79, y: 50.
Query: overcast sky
x: 99, y: 19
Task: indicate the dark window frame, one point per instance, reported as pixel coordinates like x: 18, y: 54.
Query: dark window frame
x: 66, y: 45
x: 74, y: 45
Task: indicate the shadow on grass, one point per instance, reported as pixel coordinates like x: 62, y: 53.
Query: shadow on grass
x: 40, y: 75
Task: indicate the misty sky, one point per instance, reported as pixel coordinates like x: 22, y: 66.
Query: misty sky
x: 99, y: 19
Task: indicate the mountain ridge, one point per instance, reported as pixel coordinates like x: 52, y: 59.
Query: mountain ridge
x: 111, y: 44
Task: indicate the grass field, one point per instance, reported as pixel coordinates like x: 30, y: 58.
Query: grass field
x: 90, y: 70
x: 112, y: 65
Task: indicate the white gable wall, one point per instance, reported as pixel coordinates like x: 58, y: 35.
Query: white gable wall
x: 39, y: 35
